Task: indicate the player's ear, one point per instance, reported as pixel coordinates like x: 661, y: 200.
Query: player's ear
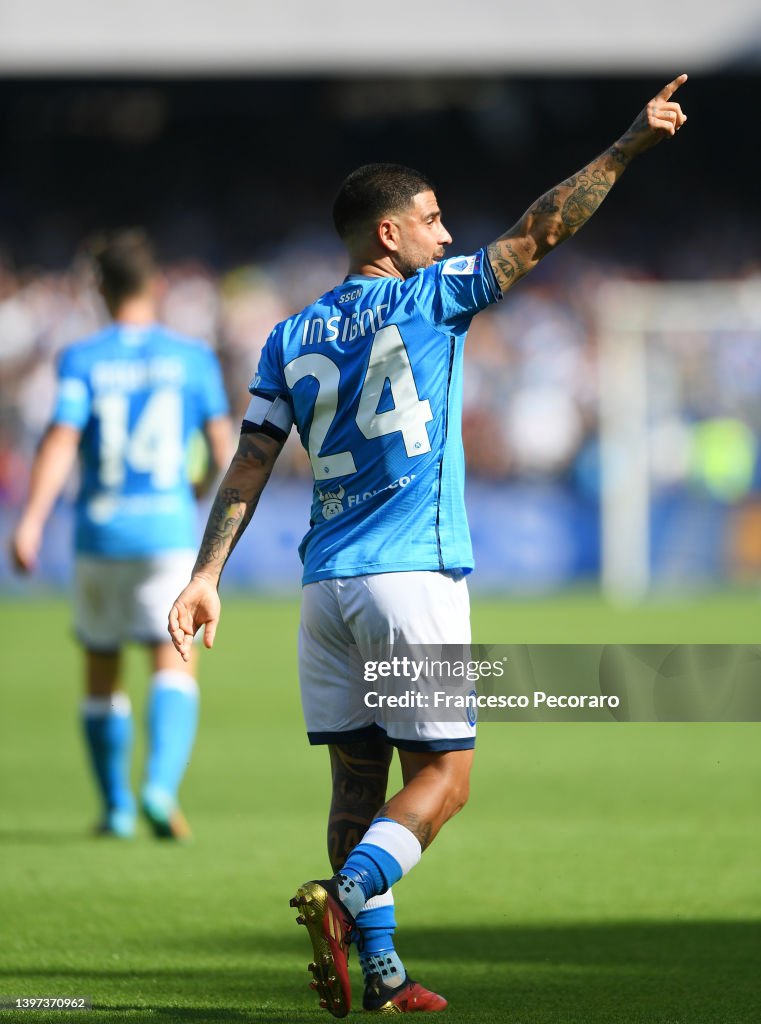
x: 388, y: 234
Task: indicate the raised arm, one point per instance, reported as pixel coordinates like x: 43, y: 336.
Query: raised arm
x: 560, y: 213
x: 52, y: 465
x: 234, y: 505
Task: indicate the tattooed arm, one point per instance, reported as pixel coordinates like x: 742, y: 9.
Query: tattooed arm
x: 238, y: 495
x: 560, y: 213
x: 236, y: 502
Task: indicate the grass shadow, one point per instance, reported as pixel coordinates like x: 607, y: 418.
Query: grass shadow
x: 677, y: 972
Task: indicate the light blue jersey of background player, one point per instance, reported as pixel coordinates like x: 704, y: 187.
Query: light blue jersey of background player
x: 130, y: 399
x: 138, y: 395
x: 389, y: 473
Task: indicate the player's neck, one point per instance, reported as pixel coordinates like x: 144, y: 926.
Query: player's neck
x: 380, y: 266
x: 137, y: 312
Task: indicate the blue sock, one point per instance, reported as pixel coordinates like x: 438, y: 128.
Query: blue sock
x: 172, y: 722
x: 376, y: 925
x: 109, y: 733
x: 386, y: 853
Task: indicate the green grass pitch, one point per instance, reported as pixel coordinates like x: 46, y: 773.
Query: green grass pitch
x: 601, y: 874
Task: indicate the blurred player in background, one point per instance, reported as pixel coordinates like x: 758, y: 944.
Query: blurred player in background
x: 130, y: 401
x: 371, y: 373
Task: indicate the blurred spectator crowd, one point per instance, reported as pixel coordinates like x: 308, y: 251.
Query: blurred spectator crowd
x: 239, y: 174
x: 217, y: 170
x: 530, y: 400
x: 530, y: 386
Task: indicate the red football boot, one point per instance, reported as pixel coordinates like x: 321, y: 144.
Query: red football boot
x: 409, y: 997
x: 329, y: 925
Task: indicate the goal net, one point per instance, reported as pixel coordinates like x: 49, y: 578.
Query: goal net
x: 680, y: 418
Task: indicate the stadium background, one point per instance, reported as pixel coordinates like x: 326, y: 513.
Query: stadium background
x: 235, y: 179
x: 627, y: 883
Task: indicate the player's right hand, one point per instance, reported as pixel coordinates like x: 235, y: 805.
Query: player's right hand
x: 25, y: 546
x: 198, y: 605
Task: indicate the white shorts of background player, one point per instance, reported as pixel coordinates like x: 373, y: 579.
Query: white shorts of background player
x: 121, y: 600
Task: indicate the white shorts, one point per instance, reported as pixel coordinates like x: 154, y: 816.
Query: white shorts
x: 367, y: 617
x: 118, y: 600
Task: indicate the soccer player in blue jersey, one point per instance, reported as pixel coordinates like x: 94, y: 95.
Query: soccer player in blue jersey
x: 371, y: 374
x: 130, y: 399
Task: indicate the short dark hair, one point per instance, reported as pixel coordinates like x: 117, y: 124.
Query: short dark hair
x: 374, y: 190
x: 124, y: 263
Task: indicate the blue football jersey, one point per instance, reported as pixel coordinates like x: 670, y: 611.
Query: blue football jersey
x: 371, y: 373
x: 137, y: 394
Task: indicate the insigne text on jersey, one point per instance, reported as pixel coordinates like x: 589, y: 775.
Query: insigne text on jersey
x: 341, y: 328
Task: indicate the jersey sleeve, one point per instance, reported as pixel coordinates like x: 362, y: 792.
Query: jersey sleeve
x: 270, y: 410
x: 213, y: 395
x: 74, y: 394
x: 456, y: 289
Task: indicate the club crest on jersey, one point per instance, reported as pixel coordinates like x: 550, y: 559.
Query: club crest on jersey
x: 332, y: 503
x: 463, y: 265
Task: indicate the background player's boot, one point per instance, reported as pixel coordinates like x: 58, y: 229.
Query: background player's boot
x: 118, y: 823
x: 164, y: 815
x: 329, y: 925
x: 409, y: 997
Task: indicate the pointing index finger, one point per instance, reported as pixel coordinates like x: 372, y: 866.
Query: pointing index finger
x: 671, y: 87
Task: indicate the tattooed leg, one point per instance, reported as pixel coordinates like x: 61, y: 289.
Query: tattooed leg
x: 435, y: 788
x: 360, y: 777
